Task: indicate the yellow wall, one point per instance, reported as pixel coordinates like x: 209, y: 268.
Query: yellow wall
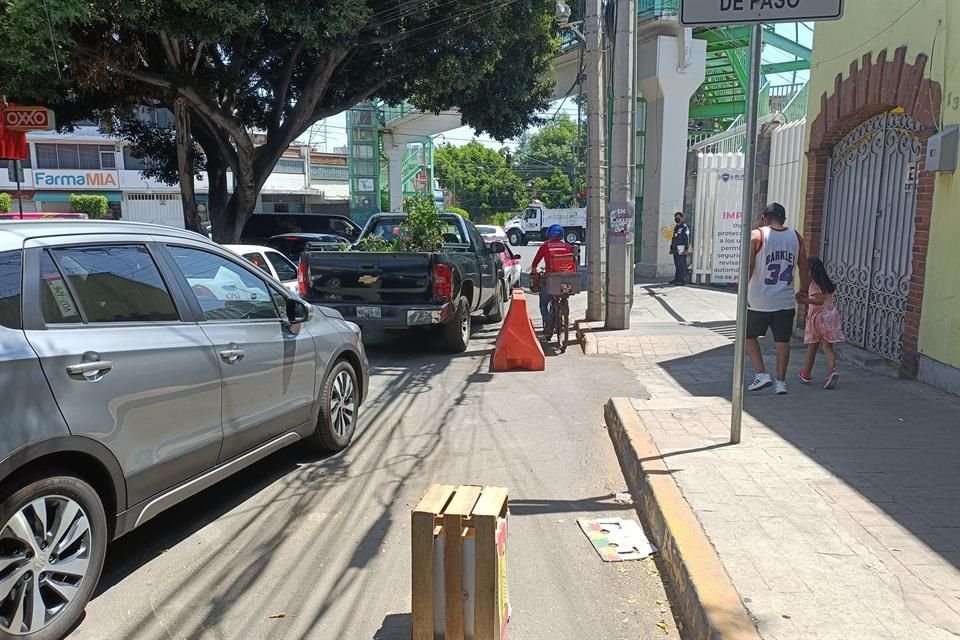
x: 873, y: 25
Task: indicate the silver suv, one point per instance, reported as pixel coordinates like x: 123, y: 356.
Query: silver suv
x: 139, y: 365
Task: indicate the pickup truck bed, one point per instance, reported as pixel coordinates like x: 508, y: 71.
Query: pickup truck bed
x: 395, y: 291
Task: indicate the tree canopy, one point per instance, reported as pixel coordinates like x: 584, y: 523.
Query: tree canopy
x: 480, y: 179
x: 245, y: 78
x: 549, y: 158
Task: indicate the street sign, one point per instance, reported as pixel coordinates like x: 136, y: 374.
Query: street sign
x: 28, y: 119
x: 717, y: 12
x: 15, y: 171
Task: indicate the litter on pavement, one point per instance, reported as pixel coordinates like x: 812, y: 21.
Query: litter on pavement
x: 623, y: 498
x: 617, y: 539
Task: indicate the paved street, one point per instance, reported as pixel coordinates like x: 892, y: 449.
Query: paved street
x: 296, y: 547
x: 837, y: 516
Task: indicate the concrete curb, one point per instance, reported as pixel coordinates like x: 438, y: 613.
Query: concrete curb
x: 705, y: 601
x: 585, y: 337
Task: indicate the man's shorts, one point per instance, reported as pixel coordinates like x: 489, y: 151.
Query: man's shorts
x: 779, y: 322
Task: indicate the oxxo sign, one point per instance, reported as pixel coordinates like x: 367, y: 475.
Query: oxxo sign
x: 27, y: 119
x: 713, y: 12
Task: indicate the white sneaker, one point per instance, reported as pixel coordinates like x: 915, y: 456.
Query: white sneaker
x: 780, y: 387
x: 760, y: 381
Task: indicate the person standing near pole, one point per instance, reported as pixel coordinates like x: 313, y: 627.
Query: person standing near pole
x: 680, y: 249
x: 777, y: 256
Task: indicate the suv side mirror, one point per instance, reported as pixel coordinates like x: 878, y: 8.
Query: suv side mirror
x: 497, y: 247
x: 297, y: 311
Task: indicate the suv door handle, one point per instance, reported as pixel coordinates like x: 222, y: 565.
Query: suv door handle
x: 232, y: 356
x: 89, y: 367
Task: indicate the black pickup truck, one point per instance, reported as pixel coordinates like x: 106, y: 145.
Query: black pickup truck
x: 398, y: 291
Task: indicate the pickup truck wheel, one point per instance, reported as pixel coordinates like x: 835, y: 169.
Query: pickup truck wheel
x: 494, y: 311
x: 515, y: 237
x: 337, y: 421
x: 456, y: 333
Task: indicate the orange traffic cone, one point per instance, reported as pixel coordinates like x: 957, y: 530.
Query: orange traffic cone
x: 517, y: 344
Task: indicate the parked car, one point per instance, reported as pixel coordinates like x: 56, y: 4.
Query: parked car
x: 262, y: 226
x: 511, y: 265
x: 395, y: 291
x: 293, y: 244
x: 492, y: 232
x: 140, y: 364
x: 44, y: 216
x: 270, y: 261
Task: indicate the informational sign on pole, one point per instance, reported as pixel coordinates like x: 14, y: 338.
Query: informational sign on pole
x: 721, y: 12
x: 754, y: 13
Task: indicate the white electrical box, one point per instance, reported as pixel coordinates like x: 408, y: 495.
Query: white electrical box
x: 942, y: 150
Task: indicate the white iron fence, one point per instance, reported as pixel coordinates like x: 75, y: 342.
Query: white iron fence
x: 718, y: 209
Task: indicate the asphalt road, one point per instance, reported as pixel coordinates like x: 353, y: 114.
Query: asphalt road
x: 298, y: 547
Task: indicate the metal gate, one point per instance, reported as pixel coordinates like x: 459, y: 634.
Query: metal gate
x: 868, y: 229
x: 158, y: 208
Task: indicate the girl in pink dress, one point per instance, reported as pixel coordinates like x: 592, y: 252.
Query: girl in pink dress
x: 824, y: 324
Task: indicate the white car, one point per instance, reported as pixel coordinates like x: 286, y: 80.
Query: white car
x: 271, y: 261
x: 491, y: 232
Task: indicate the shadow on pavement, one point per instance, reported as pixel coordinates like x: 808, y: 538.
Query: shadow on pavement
x: 396, y: 626
x: 586, y: 505
x: 297, y: 484
x: 893, y: 441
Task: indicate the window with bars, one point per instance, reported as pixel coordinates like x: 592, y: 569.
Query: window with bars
x: 319, y: 172
x: 289, y: 165
x: 75, y: 156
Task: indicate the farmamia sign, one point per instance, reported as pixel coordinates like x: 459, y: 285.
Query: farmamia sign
x: 74, y: 179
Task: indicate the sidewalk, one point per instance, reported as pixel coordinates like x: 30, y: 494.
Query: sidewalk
x: 838, y: 516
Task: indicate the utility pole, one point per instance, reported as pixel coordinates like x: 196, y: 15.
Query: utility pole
x: 596, y: 160
x: 622, y: 143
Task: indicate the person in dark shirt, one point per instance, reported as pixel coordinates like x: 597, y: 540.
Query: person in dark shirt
x: 680, y: 249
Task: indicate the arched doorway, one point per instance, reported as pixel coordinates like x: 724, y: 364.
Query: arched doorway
x: 868, y: 229
x: 878, y: 228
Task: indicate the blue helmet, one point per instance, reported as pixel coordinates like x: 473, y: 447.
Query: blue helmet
x: 555, y: 231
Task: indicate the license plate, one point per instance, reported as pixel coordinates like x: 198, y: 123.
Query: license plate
x: 368, y: 312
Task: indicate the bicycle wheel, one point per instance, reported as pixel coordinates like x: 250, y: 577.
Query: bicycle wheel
x: 560, y: 316
x: 565, y: 311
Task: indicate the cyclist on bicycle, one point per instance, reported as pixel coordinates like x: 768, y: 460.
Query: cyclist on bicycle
x: 559, y: 257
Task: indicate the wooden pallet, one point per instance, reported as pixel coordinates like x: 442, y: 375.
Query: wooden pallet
x: 452, y: 515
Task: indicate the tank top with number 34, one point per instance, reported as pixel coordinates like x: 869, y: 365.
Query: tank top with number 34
x: 771, y: 285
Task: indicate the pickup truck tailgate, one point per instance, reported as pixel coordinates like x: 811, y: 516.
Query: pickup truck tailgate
x: 366, y: 277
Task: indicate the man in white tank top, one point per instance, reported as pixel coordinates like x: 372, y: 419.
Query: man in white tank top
x: 776, y: 260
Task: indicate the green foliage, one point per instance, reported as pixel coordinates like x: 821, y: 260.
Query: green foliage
x: 463, y: 213
x: 500, y: 218
x: 554, y: 191
x: 548, y: 157
x: 422, y: 229
x: 376, y: 245
x: 479, y: 178
x: 5, y: 202
x: 254, y: 75
x: 92, y: 205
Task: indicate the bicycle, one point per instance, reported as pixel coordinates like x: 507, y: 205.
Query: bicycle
x: 560, y: 286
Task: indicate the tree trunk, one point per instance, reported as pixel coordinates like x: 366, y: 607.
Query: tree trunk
x: 184, y: 138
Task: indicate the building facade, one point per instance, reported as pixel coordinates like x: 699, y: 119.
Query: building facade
x: 886, y: 227
x: 87, y: 161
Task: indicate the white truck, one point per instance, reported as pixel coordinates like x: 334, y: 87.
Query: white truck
x: 536, y: 219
